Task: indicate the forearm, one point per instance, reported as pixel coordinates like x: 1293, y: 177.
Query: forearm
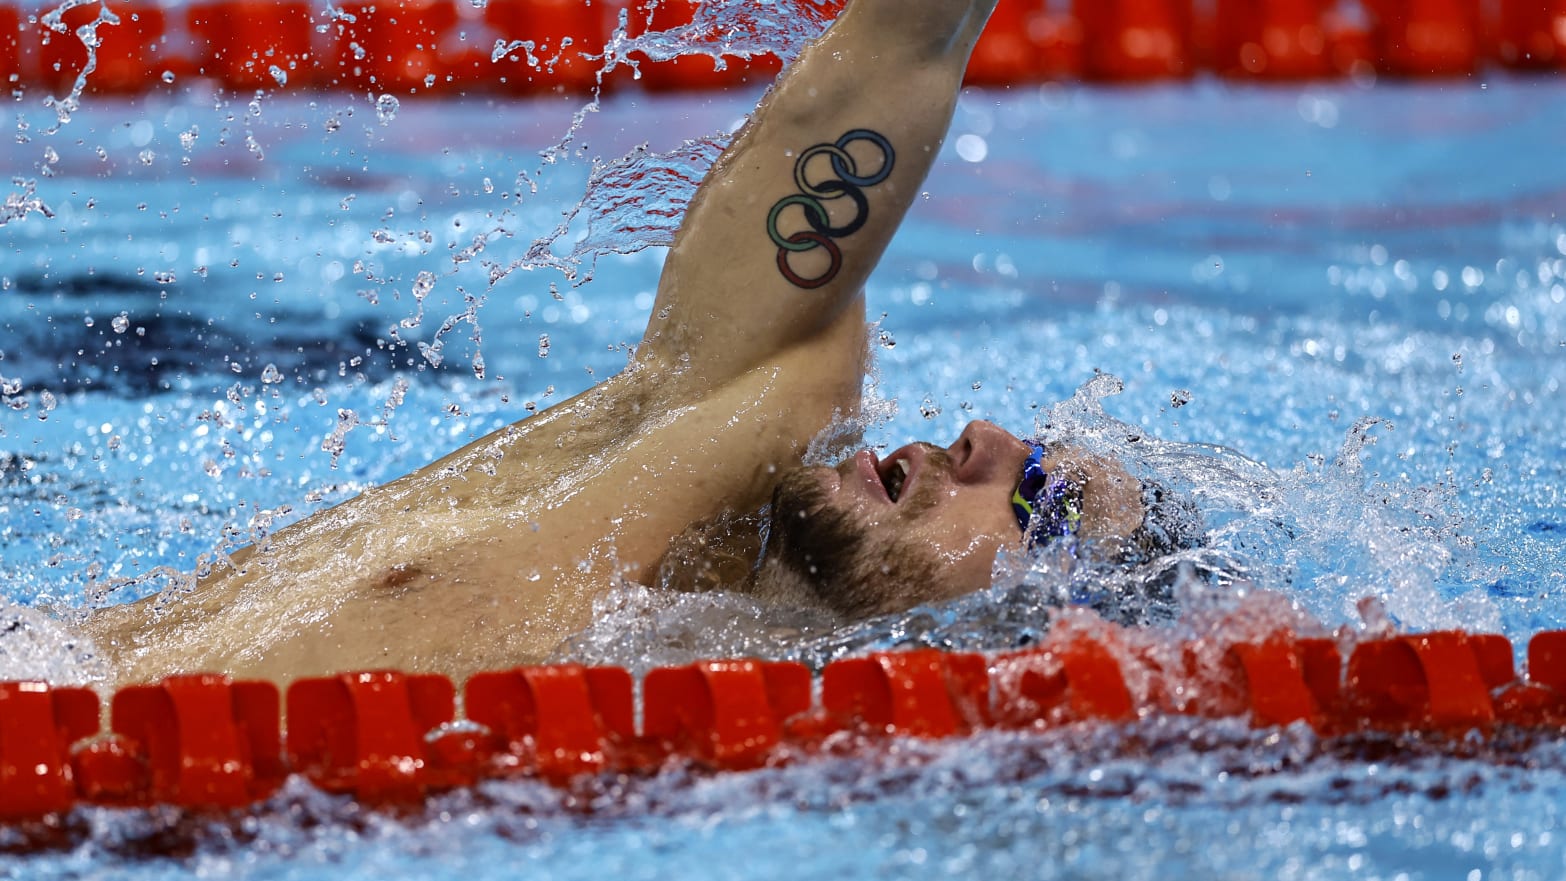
x: 793, y: 217
x: 925, y: 28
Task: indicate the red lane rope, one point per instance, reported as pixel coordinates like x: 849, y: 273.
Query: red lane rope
x: 206, y: 741
x: 446, y: 46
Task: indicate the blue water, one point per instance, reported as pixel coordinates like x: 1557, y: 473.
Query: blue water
x: 201, y: 341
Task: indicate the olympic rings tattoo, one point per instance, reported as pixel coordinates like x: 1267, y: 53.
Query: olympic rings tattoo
x: 849, y: 184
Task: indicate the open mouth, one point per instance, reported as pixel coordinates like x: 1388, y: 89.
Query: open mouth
x: 894, y: 478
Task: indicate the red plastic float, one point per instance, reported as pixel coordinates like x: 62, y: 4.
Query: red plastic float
x: 540, y: 46
x: 1130, y: 40
x: 1080, y: 681
x: 364, y: 732
x: 729, y: 714
x: 1272, y: 39
x: 37, y: 727
x: 1531, y: 34
x: 1026, y: 42
x: 208, y: 742
x: 1426, y: 37
x: 10, y: 45
x: 1271, y: 675
x: 1428, y: 682
x: 393, y: 45
x: 553, y: 722
x: 921, y: 693
x: 254, y: 44
x: 205, y: 740
x: 562, y: 33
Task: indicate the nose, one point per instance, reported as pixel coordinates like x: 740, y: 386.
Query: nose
x: 984, y: 450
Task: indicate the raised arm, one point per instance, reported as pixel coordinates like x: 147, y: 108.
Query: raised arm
x: 790, y: 221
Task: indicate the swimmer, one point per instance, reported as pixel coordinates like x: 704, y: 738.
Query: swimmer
x: 492, y: 556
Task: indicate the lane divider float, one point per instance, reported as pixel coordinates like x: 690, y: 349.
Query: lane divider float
x: 209, y: 742
x: 538, y: 46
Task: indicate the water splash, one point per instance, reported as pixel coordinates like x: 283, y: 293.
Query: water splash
x: 733, y: 28
x: 22, y: 202
x: 664, y: 180
x: 35, y: 644
x: 633, y: 203
x: 1326, y: 532
x: 1297, y: 548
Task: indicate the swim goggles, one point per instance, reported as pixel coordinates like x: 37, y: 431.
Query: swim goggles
x: 1046, y: 507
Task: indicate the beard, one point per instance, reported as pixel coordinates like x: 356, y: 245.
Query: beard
x: 834, y: 552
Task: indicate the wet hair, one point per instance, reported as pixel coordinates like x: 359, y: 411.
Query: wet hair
x: 1134, y: 581
x: 1170, y: 523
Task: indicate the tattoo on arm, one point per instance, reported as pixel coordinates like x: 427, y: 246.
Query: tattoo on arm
x: 849, y: 184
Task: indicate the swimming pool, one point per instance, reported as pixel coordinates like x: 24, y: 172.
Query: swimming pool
x: 1260, y: 268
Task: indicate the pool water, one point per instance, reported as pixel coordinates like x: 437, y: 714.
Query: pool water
x: 235, y: 316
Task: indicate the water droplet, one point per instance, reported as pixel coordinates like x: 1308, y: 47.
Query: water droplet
x: 279, y: 74
x: 270, y: 375
x: 423, y: 283
x: 386, y: 107
x: 121, y: 323
x: 1179, y: 398
x: 166, y: 277
x: 887, y: 341
x: 146, y: 157
x: 168, y: 76
x: 88, y: 321
x: 543, y: 345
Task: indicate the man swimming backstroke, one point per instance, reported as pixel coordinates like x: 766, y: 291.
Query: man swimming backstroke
x: 492, y: 556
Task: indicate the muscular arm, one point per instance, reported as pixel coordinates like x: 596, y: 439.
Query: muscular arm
x: 779, y: 240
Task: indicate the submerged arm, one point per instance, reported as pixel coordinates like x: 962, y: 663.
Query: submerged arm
x: 780, y: 237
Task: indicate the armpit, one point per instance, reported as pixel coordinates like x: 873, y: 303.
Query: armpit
x: 399, y: 579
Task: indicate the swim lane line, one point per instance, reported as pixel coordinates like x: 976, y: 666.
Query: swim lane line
x: 210, y: 742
